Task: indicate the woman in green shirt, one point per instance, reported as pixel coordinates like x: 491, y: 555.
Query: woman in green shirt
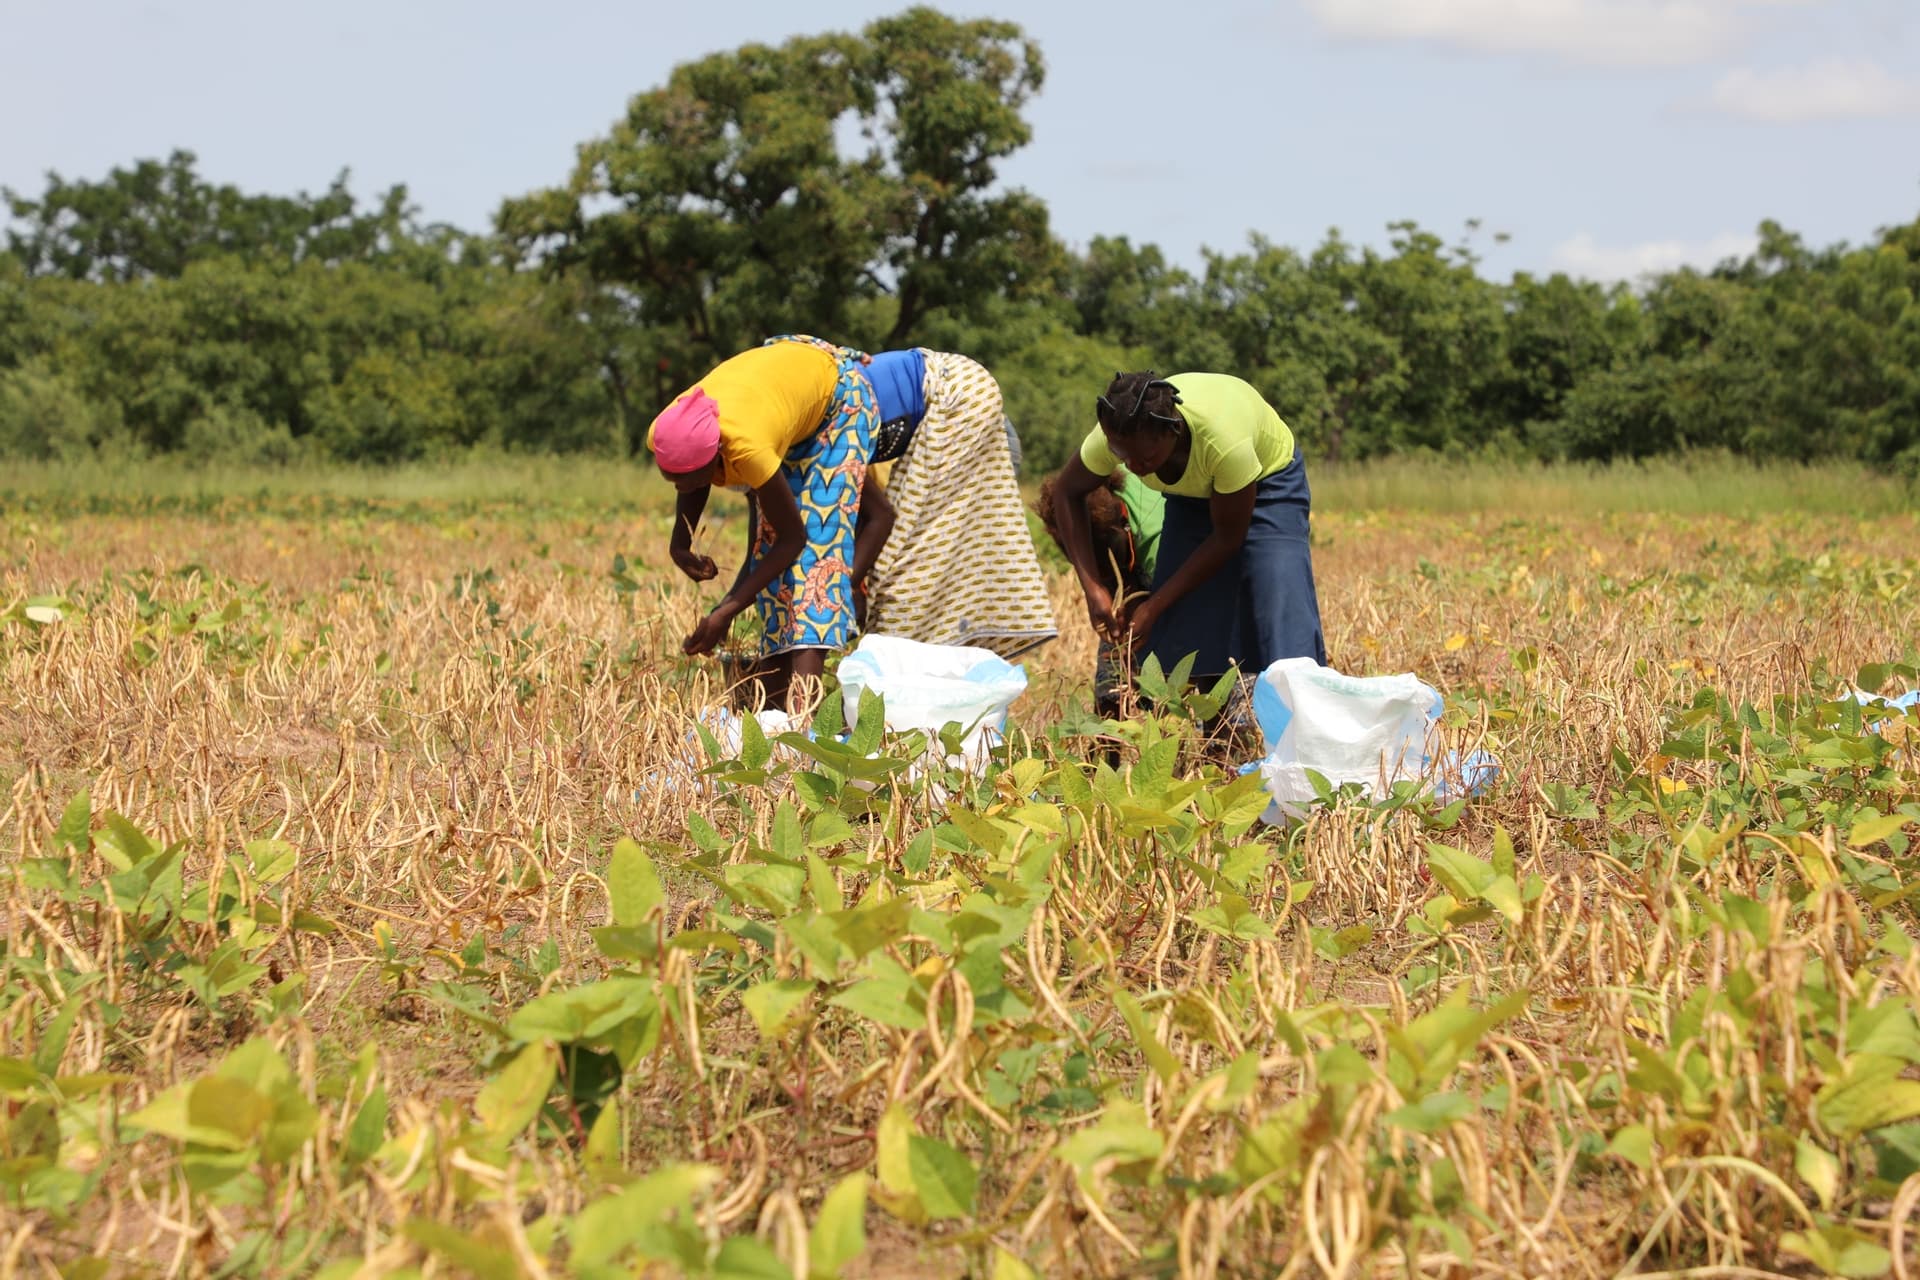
x: 1234, y: 581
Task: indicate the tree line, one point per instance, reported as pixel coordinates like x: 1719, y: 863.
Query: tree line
x: 846, y: 184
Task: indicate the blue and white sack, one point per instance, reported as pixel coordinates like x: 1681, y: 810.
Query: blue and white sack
x: 929, y: 686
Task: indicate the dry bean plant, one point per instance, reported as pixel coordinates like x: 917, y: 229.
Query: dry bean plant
x: 375, y: 907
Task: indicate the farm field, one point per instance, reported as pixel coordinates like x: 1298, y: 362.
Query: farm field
x: 372, y: 910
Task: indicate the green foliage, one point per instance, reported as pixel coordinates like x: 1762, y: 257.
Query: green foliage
x: 257, y: 348
x: 157, y: 218
x: 248, y: 1110
x: 1059, y: 979
x: 724, y: 203
x: 43, y: 415
x: 846, y: 184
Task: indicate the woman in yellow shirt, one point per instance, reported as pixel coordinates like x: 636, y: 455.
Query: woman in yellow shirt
x: 791, y: 422
x: 1234, y: 580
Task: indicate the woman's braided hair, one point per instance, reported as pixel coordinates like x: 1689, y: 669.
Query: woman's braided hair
x: 1137, y: 402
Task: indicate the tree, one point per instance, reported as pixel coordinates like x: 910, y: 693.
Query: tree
x: 721, y: 207
x: 16, y: 310
x: 156, y: 218
x: 1445, y: 321
x: 1292, y: 327
x: 1127, y: 294
x: 1559, y: 332
x: 948, y: 96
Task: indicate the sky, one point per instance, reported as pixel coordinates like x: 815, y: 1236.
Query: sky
x: 1606, y: 138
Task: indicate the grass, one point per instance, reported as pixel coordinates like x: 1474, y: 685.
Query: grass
x: 1705, y: 484
x: 542, y: 480
x: 366, y: 914
x: 1710, y: 484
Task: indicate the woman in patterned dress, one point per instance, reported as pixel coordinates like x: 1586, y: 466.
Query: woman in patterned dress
x: 791, y: 422
x: 958, y: 565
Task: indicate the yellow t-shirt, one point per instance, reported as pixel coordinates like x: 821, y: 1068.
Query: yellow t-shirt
x: 770, y: 399
x: 1238, y: 438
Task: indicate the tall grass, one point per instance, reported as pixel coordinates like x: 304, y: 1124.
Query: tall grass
x: 1705, y: 484
x: 541, y: 480
x: 311, y: 862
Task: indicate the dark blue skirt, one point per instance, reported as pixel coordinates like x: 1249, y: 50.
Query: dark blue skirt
x: 1261, y: 606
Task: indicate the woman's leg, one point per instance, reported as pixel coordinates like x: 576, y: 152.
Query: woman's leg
x: 1206, y: 621
x: 809, y: 610
x: 1279, y: 606
x: 746, y: 683
x: 807, y: 669
x: 776, y: 677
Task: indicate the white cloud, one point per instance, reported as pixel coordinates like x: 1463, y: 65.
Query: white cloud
x: 1613, y: 32
x: 1585, y: 258
x: 1831, y: 89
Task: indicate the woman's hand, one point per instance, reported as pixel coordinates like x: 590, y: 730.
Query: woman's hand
x: 698, y: 567
x: 713, y: 628
x: 1142, y: 616
x: 1106, y: 624
x: 688, y: 507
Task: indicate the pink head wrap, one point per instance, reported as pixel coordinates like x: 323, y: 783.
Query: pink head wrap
x: 686, y: 435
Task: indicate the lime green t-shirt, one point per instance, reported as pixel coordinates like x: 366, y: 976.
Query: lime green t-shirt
x: 1238, y: 438
x: 1146, y: 513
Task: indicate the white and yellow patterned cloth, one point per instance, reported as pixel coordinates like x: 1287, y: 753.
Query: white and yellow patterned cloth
x: 960, y: 567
